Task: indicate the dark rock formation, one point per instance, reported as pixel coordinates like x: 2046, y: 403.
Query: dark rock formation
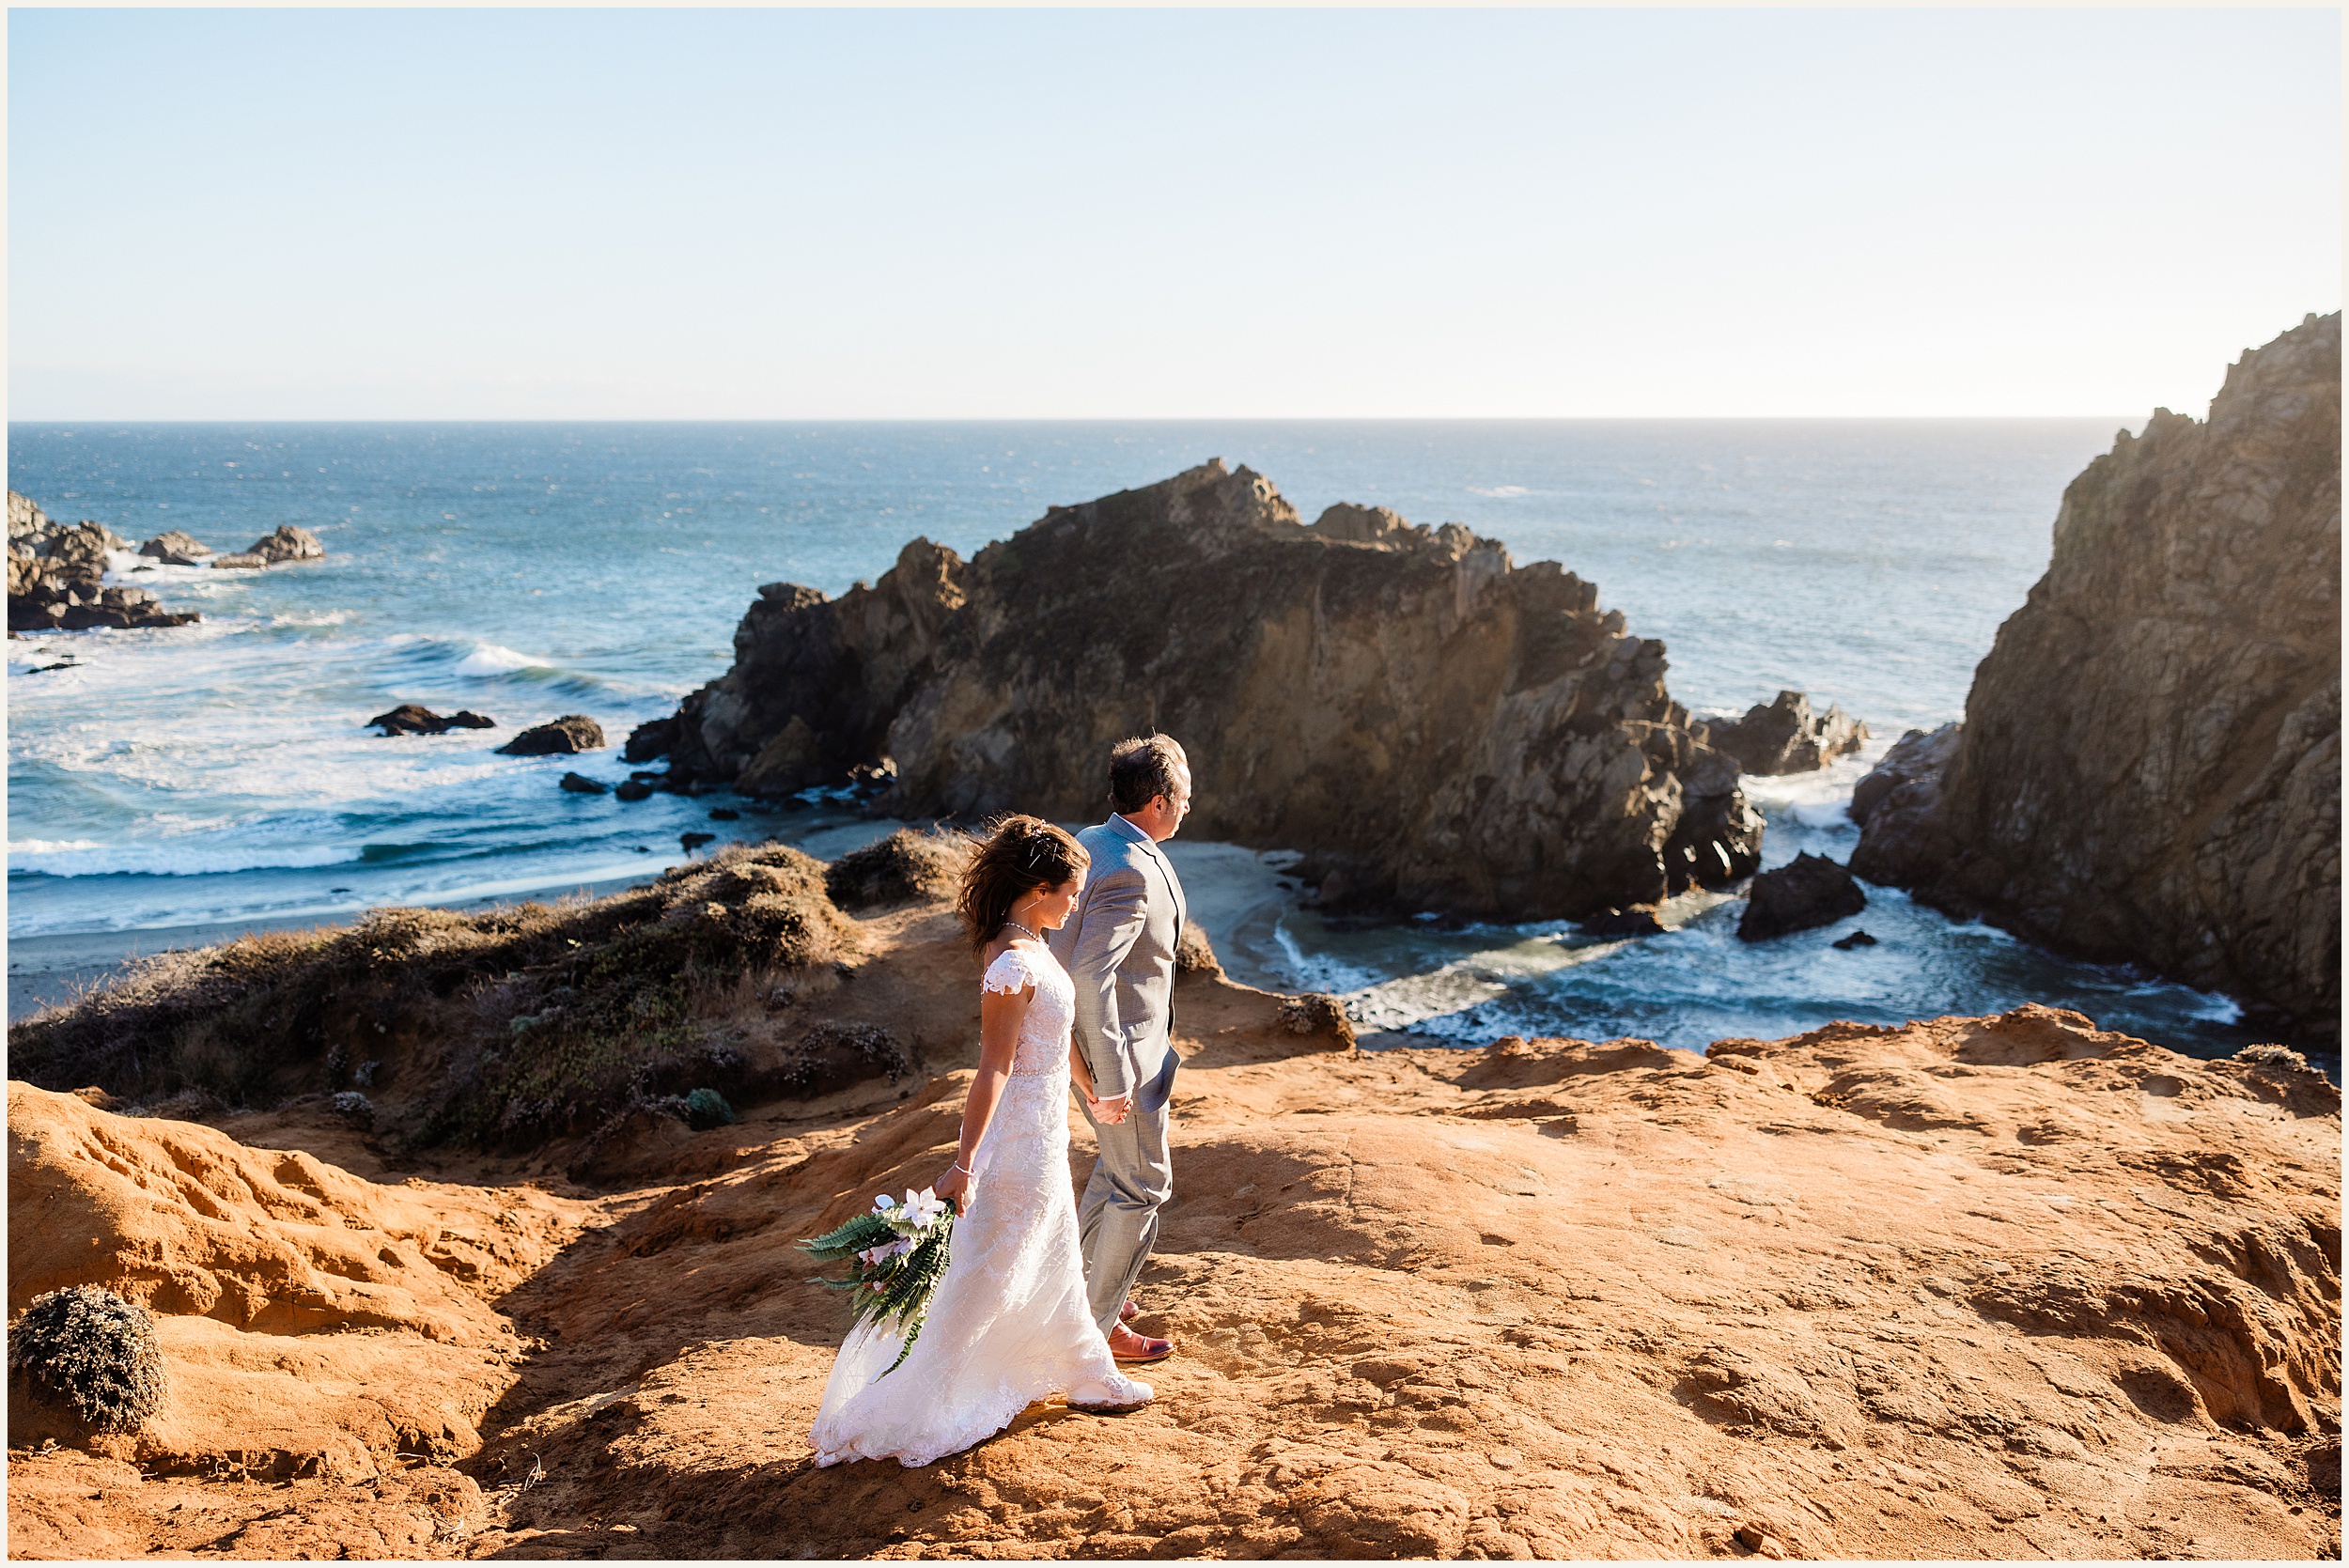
x: 1916, y: 757
x: 2150, y: 767
x: 649, y: 740
x: 56, y: 576
x: 288, y: 543
x: 175, y: 549
x: 573, y: 732
x: 579, y: 784
x: 634, y: 789
x: 1401, y: 699
x: 409, y: 719
x: 1808, y: 891
x: 816, y: 685
x: 1858, y: 938
x: 1785, y: 736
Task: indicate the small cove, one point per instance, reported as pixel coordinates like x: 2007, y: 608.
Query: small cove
x: 174, y: 786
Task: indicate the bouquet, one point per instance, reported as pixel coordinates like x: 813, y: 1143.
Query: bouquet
x: 900, y: 1251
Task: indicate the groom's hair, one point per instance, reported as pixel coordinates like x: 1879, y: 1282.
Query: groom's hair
x: 1142, y: 769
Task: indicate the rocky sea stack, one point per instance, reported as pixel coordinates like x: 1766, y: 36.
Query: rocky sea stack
x: 1432, y: 724
x: 2150, y: 764
x: 56, y: 576
x: 1787, y: 737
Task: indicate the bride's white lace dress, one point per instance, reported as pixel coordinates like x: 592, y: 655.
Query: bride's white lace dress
x: 1010, y: 1323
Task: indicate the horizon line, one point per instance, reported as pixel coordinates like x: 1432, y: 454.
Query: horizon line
x: 1105, y: 419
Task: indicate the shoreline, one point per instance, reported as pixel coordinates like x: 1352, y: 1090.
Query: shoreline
x: 1228, y: 886
x: 55, y: 966
x: 1252, y: 909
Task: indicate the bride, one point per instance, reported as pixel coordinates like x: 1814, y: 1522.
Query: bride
x: 1010, y: 1323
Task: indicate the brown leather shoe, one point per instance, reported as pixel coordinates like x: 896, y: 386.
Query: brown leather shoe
x: 1127, y: 1312
x: 1127, y: 1345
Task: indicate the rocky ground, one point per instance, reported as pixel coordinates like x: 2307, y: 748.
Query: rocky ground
x: 2002, y: 1287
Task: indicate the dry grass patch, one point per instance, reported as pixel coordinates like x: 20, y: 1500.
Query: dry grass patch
x: 905, y: 868
x: 504, y: 1028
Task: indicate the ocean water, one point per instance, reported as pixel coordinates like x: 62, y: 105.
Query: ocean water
x: 216, y: 774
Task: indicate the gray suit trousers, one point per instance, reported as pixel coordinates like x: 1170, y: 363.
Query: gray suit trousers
x: 1117, y: 1218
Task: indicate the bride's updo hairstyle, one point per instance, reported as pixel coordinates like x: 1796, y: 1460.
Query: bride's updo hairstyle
x: 1023, y: 854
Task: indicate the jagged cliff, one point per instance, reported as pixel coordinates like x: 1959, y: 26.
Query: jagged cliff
x: 2150, y: 766
x: 1401, y: 702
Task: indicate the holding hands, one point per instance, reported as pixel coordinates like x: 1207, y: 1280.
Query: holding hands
x: 1109, y: 1112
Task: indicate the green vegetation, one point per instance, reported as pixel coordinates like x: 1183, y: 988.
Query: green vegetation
x: 503, y: 1028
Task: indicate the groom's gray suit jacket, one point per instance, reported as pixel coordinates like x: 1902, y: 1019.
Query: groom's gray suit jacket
x: 1118, y: 946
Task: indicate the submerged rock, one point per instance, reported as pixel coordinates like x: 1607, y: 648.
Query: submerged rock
x: 1808, y: 891
x: 288, y: 543
x: 579, y: 784
x: 2150, y: 767
x: 1465, y: 734
x: 1623, y: 922
x: 410, y: 719
x: 1856, y: 940
x: 571, y: 734
x: 1785, y: 736
x: 175, y: 549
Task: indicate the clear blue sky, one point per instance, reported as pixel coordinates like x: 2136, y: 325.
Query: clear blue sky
x: 752, y: 214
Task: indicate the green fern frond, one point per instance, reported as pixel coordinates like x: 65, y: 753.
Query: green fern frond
x: 865, y: 1231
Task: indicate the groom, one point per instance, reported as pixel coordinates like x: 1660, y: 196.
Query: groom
x: 1118, y: 946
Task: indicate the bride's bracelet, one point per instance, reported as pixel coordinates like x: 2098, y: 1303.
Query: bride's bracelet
x: 966, y: 1170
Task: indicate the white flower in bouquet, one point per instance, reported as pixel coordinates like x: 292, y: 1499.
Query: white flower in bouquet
x: 922, y: 1208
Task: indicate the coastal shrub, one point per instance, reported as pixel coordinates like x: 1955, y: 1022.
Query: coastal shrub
x: 1317, y: 1013
x: 706, y: 1108
x: 701, y: 1111
x: 92, y: 1352
x: 1193, y: 952
x: 538, y: 1020
x: 905, y: 866
x: 835, y: 1052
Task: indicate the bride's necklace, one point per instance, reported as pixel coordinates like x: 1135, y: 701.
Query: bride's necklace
x: 1022, y: 929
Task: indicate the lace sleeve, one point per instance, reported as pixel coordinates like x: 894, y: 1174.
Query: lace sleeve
x: 1010, y: 971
